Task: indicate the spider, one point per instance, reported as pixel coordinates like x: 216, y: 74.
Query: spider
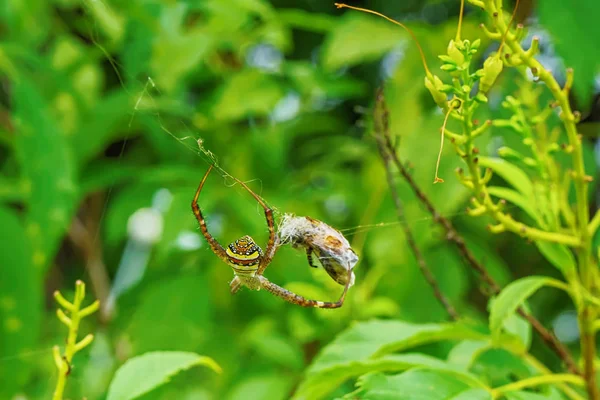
x: 248, y: 261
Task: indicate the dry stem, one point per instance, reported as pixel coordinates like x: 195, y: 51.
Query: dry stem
x: 453, y: 236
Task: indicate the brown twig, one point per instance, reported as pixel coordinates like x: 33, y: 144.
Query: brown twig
x: 91, y: 250
x: 380, y: 121
x: 453, y: 236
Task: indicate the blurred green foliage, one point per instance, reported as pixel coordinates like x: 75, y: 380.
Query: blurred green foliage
x: 102, y: 104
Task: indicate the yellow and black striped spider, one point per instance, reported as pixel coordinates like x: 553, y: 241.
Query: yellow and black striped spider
x: 248, y: 261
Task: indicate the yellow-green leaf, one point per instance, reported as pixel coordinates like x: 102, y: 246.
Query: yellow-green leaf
x: 510, y: 173
x: 145, y: 373
x: 512, y: 297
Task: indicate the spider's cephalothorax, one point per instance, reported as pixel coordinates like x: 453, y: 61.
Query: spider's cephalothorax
x: 244, y: 256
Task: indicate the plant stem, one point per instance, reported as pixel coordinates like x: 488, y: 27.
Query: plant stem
x: 482, y: 195
x: 594, y: 224
x: 536, y: 381
x: 62, y: 378
x: 541, y: 367
x: 64, y: 362
x: 586, y: 314
x: 381, y: 123
x: 67, y: 358
x: 453, y: 236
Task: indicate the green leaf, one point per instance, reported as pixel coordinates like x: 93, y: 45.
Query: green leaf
x: 123, y: 204
x: 517, y: 199
x: 153, y: 318
x: 498, y: 367
x: 27, y: 22
x: 47, y: 164
x: 312, y: 22
x: 309, y: 80
x: 107, y: 19
x: 363, y: 348
x: 572, y: 26
x: 21, y: 304
x: 520, y: 329
x: 472, y: 394
x: 558, y: 255
x: 430, y: 333
x: 106, y: 122
x: 351, y: 41
x: 416, y: 384
x: 466, y: 352
x: 144, y: 373
x: 551, y: 394
x: 316, y: 387
x: 512, y: 297
x: 232, y: 104
x: 264, y: 338
x: 177, y: 49
x: 12, y: 190
x: 364, y: 340
x: 102, y: 175
x: 485, y: 250
x: 274, y: 386
x: 510, y: 173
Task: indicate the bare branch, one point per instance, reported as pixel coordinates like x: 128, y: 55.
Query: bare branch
x: 381, y: 125
x: 453, y: 236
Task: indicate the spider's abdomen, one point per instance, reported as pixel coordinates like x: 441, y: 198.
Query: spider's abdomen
x: 244, y: 255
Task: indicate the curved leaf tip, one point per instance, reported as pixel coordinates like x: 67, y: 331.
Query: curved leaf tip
x: 145, y: 373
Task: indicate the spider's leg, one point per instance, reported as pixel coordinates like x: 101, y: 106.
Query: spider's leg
x: 273, y: 243
x: 214, y: 245
x: 235, y: 284
x: 310, y: 258
x: 294, y: 298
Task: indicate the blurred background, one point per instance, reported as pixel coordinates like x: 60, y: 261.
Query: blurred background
x: 101, y: 107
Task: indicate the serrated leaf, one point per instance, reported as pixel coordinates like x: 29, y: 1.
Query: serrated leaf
x: 430, y: 333
x: 366, y: 345
x: 317, y: 387
x: 366, y: 339
x: 512, y: 297
x: 510, y: 173
x: 144, y: 373
x: 414, y: 384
